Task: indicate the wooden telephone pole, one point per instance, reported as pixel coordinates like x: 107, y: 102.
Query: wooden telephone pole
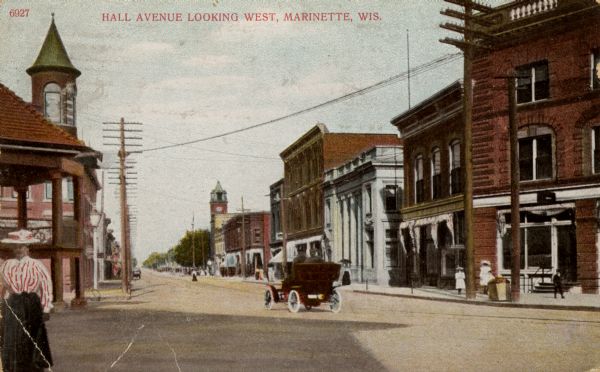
x: 193, y: 245
x: 473, y: 33
x: 124, y: 141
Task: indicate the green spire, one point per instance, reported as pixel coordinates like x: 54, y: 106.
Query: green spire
x: 53, y: 55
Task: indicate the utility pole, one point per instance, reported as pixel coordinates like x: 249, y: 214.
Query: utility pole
x: 515, y: 289
x: 243, y: 240
x: 193, y: 245
x: 471, y: 40
x: 123, y: 142
x: 124, y: 214
x: 283, y: 232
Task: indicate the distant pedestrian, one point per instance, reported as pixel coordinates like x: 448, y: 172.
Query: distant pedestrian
x: 485, y: 275
x: 194, y: 276
x: 27, y: 300
x: 557, y: 280
x: 459, y: 277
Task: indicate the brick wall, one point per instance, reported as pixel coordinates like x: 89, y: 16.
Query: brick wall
x: 569, y: 112
x: 587, y: 252
x: 484, y: 238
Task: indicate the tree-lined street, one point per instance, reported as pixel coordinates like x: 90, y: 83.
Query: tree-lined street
x: 172, y: 324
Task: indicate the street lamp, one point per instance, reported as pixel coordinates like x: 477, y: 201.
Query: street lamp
x: 95, y: 217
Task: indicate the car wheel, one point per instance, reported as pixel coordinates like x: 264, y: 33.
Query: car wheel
x: 293, y: 301
x: 269, y: 299
x: 335, y: 301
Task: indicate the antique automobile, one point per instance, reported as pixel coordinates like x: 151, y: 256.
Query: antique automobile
x: 137, y: 273
x: 310, y: 284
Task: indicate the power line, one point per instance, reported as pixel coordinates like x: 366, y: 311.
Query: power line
x: 445, y: 59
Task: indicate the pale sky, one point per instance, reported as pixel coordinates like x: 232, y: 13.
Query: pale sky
x: 189, y: 80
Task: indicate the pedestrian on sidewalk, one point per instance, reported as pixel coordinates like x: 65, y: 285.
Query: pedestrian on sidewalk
x: 557, y: 280
x: 485, y: 275
x: 194, y: 276
x: 26, y: 300
x: 459, y: 277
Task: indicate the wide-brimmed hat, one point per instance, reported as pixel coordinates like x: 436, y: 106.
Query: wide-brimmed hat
x: 20, y: 237
x: 459, y: 268
x: 485, y: 262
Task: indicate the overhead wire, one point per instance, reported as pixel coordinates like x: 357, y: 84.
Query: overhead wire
x: 436, y: 63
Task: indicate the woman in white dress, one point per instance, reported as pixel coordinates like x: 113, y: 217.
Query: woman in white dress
x: 459, y: 277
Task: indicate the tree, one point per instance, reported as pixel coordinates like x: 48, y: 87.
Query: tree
x: 155, y: 259
x: 183, y: 250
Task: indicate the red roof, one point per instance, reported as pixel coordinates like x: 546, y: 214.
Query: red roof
x: 21, y: 122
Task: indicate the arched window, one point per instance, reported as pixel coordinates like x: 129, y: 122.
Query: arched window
x: 419, y: 186
x: 456, y: 184
x: 536, y: 160
x: 436, y: 173
x: 52, y: 103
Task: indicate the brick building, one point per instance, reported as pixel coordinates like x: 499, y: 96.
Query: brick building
x: 54, y: 193
x: 555, y: 47
x: 431, y: 233
x: 256, y: 227
x: 305, y: 161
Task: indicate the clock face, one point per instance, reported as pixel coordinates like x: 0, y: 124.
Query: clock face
x: 219, y: 209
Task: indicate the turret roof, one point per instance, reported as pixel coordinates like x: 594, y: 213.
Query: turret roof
x: 53, y: 55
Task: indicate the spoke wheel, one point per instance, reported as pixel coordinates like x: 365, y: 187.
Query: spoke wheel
x: 269, y: 300
x: 335, y: 301
x: 293, y: 301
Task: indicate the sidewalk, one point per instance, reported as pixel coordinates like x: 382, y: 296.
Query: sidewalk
x: 572, y: 301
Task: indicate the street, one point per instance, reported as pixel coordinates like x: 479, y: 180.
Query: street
x: 174, y: 324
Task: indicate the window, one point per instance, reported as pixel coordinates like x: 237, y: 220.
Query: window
x: 546, y: 240
x: 52, y: 103
x: 257, y: 235
x: 436, y: 176
x: 70, y: 196
x: 458, y: 226
x: 391, y: 204
x: 369, y: 209
x: 596, y: 150
x: 392, y: 253
x: 535, y: 157
x: 595, y: 68
x: 533, y: 85
x: 456, y: 183
x: 419, y: 186
x: 327, y: 213
x: 48, y: 190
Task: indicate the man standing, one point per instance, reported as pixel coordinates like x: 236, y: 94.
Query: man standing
x: 26, y: 300
x: 557, y: 280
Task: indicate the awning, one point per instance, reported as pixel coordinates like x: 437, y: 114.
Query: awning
x: 278, y: 258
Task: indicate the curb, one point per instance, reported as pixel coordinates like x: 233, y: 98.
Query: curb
x: 482, y: 303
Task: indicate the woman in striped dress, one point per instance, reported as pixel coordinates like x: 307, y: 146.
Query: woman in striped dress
x: 27, y: 296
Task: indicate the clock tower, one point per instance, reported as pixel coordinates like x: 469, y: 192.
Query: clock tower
x: 218, y: 200
x: 53, y: 87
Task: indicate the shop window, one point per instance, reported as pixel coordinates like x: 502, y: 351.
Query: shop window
x: 70, y: 194
x: 419, y: 185
x: 535, y: 157
x: 436, y: 173
x: 595, y: 69
x: 392, y: 248
x: 596, y: 150
x: 456, y: 182
x: 533, y: 84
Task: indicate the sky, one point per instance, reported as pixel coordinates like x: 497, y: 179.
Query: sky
x: 190, y: 80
